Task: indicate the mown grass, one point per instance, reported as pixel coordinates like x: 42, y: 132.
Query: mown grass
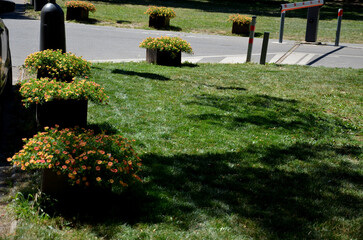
x: 211, y: 17
x: 238, y: 151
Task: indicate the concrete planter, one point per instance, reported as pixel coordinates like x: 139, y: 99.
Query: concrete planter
x: 159, y: 22
x: 65, y: 113
x: 240, y: 28
x: 163, y: 57
x: 79, y: 14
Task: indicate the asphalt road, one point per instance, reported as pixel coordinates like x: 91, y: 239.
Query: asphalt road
x: 101, y: 43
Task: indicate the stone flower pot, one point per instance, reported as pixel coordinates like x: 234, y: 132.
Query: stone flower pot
x: 238, y: 28
x: 65, y: 113
x: 159, y: 21
x: 79, y: 14
x: 163, y: 57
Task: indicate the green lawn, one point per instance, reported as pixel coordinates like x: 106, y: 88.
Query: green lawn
x: 238, y: 151
x: 211, y: 17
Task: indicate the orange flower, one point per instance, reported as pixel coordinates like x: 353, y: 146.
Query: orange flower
x: 98, y: 179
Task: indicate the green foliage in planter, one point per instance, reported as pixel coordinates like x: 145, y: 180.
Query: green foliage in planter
x: 81, y: 4
x: 56, y: 64
x: 240, y: 19
x: 45, y: 90
x: 164, y: 43
x: 154, y: 11
x: 85, y: 157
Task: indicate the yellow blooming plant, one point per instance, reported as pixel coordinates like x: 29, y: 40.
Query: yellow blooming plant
x: 44, y: 90
x: 164, y: 43
x: 55, y: 64
x: 81, y: 4
x: 154, y: 11
x: 240, y: 19
x: 85, y: 157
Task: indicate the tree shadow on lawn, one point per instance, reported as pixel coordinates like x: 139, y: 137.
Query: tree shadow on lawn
x: 264, y: 111
x: 293, y: 190
x: 284, y: 203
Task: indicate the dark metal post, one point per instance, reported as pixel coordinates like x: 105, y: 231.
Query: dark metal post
x: 52, y: 30
x: 266, y: 36
x: 340, y: 16
x: 282, y: 23
x: 250, y: 41
x: 312, y: 24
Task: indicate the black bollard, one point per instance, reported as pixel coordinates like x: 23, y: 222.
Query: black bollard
x: 52, y: 30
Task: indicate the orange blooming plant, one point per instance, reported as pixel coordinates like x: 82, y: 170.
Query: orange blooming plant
x: 55, y: 64
x: 81, y: 4
x: 240, y: 19
x: 171, y: 44
x: 85, y: 157
x: 44, y: 90
x: 154, y: 11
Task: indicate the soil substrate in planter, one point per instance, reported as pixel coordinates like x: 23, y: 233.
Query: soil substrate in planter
x: 163, y: 57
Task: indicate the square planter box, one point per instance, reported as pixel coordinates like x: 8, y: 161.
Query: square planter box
x: 163, y: 58
x: 78, y: 13
x: 159, y: 21
x: 65, y: 113
x: 89, y: 200
x: 240, y: 28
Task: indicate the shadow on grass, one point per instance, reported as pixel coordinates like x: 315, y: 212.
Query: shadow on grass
x: 293, y: 190
x: 288, y: 203
x: 152, y: 76
x: 266, y: 112
x: 292, y: 195
x: 122, y: 21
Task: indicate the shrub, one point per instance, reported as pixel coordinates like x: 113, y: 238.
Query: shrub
x: 154, y: 11
x: 81, y: 4
x: 55, y: 64
x: 240, y: 19
x: 85, y: 157
x: 44, y: 90
x: 172, y: 44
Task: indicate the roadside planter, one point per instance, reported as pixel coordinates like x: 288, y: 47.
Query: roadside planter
x: 79, y: 10
x: 159, y: 17
x: 61, y: 90
x: 60, y: 103
x: 241, y: 23
x: 75, y: 161
x: 165, y: 50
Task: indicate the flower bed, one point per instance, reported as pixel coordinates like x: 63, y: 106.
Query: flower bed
x: 55, y: 64
x: 84, y: 157
x: 154, y: 11
x: 165, y: 50
x: 44, y: 90
x: 169, y: 44
x: 81, y: 4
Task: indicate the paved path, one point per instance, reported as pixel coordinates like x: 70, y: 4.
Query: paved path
x: 100, y: 43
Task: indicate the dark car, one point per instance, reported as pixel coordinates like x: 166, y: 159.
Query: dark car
x: 5, y: 58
